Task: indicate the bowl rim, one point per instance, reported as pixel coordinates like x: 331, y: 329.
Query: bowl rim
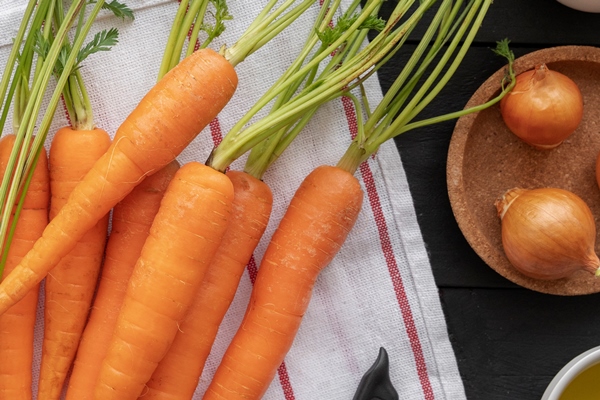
x: 468, y: 223
x: 585, y: 6
x: 570, y: 371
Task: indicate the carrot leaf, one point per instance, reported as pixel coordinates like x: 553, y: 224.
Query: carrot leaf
x: 332, y: 33
x: 42, y: 45
x: 102, y: 41
x: 120, y: 10
x: 221, y: 14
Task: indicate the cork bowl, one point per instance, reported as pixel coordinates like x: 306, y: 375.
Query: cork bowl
x: 485, y: 159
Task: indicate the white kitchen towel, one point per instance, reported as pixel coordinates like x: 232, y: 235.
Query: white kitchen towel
x: 378, y: 291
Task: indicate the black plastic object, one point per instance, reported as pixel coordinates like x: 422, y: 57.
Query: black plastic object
x: 375, y: 383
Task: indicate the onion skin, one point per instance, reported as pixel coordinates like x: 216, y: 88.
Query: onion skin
x: 544, y: 108
x: 548, y: 233
x: 598, y: 170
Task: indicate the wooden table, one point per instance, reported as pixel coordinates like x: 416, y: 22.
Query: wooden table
x: 509, y: 341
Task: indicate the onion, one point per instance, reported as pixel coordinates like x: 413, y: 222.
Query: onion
x: 544, y: 108
x: 547, y: 233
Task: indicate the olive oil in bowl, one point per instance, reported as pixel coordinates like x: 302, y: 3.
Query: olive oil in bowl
x: 585, y: 386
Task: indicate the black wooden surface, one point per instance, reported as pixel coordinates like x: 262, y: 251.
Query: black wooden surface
x: 509, y: 341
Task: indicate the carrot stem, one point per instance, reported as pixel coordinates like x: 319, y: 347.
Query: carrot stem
x: 195, y: 12
x: 25, y: 150
x: 75, y: 95
x: 22, y: 59
x: 396, y: 112
x: 173, y: 34
x: 13, y: 56
x: 263, y: 154
x: 189, y: 20
x: 352, y: 158
x: 397, y: 93
x: 421, y: 99
x: 21, y: 98
x: 264, y: 28
x: 330, y: 85
x: 197, y: 24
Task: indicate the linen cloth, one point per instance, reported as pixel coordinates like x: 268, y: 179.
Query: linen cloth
x: 378, y: 291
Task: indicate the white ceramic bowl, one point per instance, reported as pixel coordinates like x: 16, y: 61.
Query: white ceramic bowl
x: 570, y: 371
x: 583, y: 5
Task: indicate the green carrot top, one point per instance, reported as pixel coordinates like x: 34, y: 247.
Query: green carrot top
x: 75, y: 95
x: 44, y: 29
x: 190, y: 20
x: 428, y: 70
x: 349, y: 62
x: 439, y: 52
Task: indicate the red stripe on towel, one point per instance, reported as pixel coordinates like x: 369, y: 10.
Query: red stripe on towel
x: 215, y: 131
x: 284, y: 378
x: 388, y: 253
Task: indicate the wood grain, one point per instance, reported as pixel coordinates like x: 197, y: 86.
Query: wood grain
x: 509, y: 341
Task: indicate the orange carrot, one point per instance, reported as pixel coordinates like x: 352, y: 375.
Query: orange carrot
x: 165, y: 121
x: 177, y: 374
x: 316, y: 223
x: 17, y: 324
x: 70, y: 285
x: 184, y: 236
x: 131, y: 221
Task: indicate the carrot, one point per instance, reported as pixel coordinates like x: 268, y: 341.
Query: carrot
x: 171, y: 114
x: 17, y: 324
x: 25, y: 215
x: 316, y: 223
x: 131, y: 220
x: 177, y: 374
x: 70, y: 285
x: 184, y: 236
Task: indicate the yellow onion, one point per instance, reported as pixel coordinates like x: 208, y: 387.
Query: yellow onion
x: 544, y: 108
x: 547, y: 233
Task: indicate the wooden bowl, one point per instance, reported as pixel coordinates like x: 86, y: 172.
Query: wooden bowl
x: 485, y: 159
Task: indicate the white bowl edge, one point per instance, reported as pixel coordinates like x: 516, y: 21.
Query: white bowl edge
x: 592, y: 6
x: 570, y: 371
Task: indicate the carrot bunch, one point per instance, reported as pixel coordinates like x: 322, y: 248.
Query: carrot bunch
x: 187, y: 177
x: 25, y: 191
x: 147, y: 142
x: 182, y: 235
x: 326, y: 206
x: 178, y: 373
x: 190, y: 95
